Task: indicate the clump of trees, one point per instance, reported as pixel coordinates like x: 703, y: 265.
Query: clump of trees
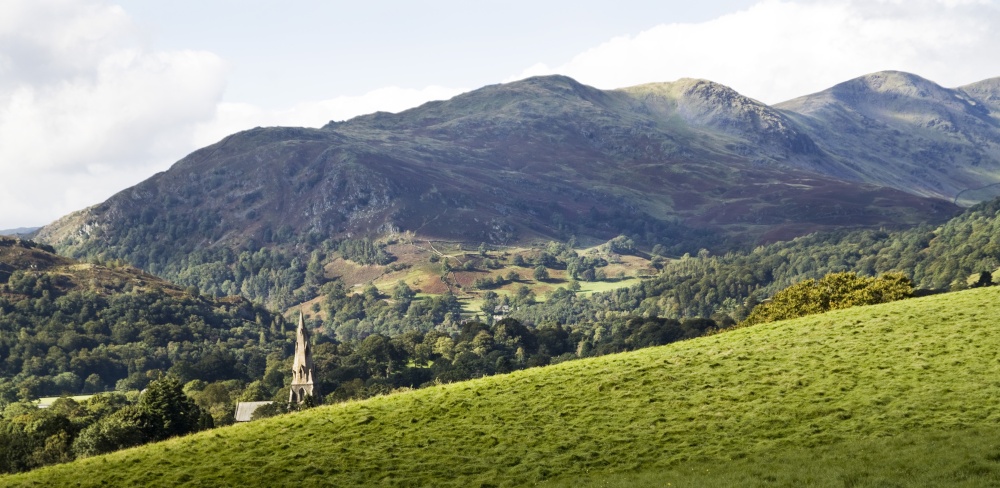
x: 354, y: 316
x: 31, y: 437
x: 491, y: 282
x: 273, y: 277
x: 364, y: 251
x: 832, y: 292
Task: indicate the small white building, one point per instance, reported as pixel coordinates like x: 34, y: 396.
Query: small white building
x: 245, y: 410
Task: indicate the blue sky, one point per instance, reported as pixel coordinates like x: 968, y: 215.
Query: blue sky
x: 98, y: 95
x: 283, y: 52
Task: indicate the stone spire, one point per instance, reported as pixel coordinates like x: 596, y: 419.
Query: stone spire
x: 302, y: 366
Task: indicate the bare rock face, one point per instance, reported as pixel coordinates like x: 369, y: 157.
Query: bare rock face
x: 690, y: 164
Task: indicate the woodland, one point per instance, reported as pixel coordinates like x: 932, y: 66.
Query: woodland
x: 206, y: 351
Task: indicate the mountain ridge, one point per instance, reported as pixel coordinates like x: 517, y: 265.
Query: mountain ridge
x: 522, y: 160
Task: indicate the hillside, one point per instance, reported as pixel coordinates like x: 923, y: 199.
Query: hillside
x: 917, y: 375
x: 70, y: 275
x: 688, y: 165
x: 71, y: 327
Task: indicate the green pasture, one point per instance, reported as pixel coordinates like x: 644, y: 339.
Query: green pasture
x: 900, y: 394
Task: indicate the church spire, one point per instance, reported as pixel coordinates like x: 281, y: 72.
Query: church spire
x: 302, y: 366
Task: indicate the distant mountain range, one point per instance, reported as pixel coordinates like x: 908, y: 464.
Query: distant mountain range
x: 687, y: 164
x: 20, y: 231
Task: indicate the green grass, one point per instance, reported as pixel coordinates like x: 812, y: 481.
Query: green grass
x: 591, y: 287
x: 901, y: 394
x: 966, y: 457
x: 47, y: 401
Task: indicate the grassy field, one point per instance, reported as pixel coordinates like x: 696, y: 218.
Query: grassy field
x: 962, y: 457
x: 590, y: 287
x: 49, y: 400
x: 902, y: 394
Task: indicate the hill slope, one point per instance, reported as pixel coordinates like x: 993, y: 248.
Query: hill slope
x: 924, y: 367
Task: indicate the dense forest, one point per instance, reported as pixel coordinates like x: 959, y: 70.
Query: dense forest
x: 54, y: 342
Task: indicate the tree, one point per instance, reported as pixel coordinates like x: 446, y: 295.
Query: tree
x: 402, y: 292
x: 379, y: 355
x: 167, y: 412
x: 541, y: 273
x: 490, y: 302
x: 620, y: 245
x: 124, y: 428
x: 977, y: 280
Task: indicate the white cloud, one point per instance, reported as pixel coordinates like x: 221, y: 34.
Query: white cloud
x: 86, y: 109
x: 778, y: 50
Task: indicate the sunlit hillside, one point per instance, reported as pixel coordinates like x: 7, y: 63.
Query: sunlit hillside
x: 902, y: 393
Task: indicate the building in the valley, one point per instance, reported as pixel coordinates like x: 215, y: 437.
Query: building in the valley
x: 302, y: 376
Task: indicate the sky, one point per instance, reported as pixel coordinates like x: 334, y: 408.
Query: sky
x: 98, y: 95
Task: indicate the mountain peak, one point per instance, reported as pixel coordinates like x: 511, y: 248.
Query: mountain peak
x: 892, y: 82
x: 987, y: 91
x: 537, y: 94
x: 898, y: 82
x: 706, y: 103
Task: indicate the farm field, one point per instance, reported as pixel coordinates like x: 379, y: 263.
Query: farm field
x: 900, y: 394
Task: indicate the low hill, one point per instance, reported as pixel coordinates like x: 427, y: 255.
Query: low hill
x: 807, y: 390
x: 31, y: 258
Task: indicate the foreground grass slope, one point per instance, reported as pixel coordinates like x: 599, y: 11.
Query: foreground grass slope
x: 804, y: 391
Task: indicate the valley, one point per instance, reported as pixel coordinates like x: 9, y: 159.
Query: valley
x: 553, y: 281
